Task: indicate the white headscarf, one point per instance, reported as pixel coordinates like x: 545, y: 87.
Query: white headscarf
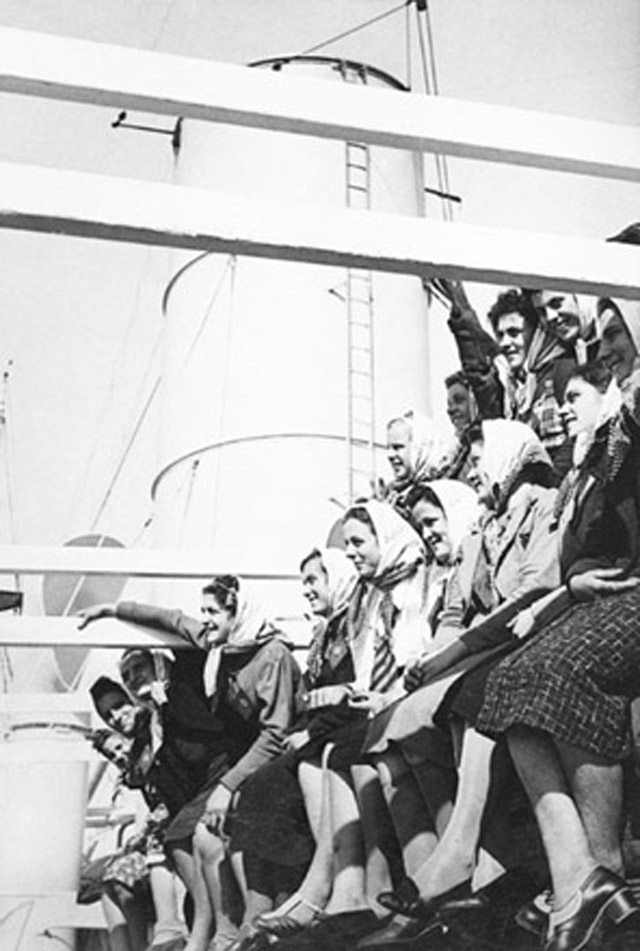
x: 341, y: 576
x: 630, y: 312
x: 398, y: 580
x: 401, y: 547
x: 460, y: 505
x: 610, y: 407
x: 427, y: 449
x: 509, y: 446
x: 250, y: 627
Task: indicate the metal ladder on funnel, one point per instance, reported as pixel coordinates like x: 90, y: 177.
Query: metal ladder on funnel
x: 360, y: 327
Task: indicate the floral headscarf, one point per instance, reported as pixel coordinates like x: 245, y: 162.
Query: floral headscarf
x: 508, y: 447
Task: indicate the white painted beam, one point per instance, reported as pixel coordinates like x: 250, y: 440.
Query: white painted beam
x: 64, y: 632
x: 79, y: 71
x: 91, y: 206
x: 74, y: 702
x: 38, y: 631
x: 135, y: 563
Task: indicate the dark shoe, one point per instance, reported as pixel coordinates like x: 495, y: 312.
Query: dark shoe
x: 602, y: 895
x: 334, y: 931
x: 399, y: 932
x: 534, y: 916
x: 404, y: 896
x: 405, y: 900
x: 504, y: 892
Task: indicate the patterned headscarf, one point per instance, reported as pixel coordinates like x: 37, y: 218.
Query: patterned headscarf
x: 460, y: 505
x: 401, y: 548
x: 401, y: 559
x: 427, y: 448
x: 342, y: 578
x: 508, y: 447
x: 250, y: 628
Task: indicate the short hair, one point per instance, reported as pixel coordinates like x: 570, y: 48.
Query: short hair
x: 314, y: 553
x: 458, y: 378
x: 360, y: 513
x: 596, y: 373
x: 514, y: 301
x: 422, y: 492
x: 628, y: 235
x: 224, y: 589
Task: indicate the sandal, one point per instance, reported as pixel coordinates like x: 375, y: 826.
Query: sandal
x: 281, y: 924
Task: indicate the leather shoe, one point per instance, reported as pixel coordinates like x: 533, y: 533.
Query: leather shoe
x: 507, y: 891
x: 406, y: 900
x: 333, y: 931
x: 399, y: 932
x: 534, y: 916
x: 602, y: 895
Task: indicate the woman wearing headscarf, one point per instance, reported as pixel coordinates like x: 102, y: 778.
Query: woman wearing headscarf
x: 139, y: 870
x: 416, y: 452
x: 562, y: 701
x: 252, y: 685
x: 505, y: 566
x: 387, y: 630
x: 270, y: 825
x: 418, y: 776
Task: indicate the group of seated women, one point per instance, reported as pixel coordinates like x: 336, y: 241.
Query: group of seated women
x: 476, y: 641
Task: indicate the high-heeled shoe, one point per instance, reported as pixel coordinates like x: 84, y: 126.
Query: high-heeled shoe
x: 601, y: 895
x: 405, y: 900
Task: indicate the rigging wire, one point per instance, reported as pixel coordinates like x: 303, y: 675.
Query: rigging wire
x: 225, y: 387
x: 407, y: 41
x: 125, y: 455
x: 149, y: 401
x: 354, y: 29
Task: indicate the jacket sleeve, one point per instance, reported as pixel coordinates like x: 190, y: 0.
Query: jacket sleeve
x: 161, y: 619
x: 538, y: 573
x: 477, y: 350
x: 276, y: 691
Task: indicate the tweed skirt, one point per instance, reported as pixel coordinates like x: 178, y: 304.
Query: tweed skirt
x: 574, y: 679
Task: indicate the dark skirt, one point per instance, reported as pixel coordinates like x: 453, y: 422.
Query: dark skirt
x: 270, y: 818
x: 183, y: 823
x: 575, y: 679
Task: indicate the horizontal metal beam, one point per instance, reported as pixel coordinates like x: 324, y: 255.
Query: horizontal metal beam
x: 92, y: 206
x: 79, y: 71
x: 74, y: 702
x: 64, y: 632
x: 135, y: 563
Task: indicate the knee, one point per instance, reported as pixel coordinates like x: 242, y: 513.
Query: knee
x: 206, y: 846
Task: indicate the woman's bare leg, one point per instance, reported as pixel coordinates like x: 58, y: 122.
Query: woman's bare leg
x: 543, y: 776
x: 164, y: 891
x: 597, y: 786
x: 454, y: 859
x: 410, y: 814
